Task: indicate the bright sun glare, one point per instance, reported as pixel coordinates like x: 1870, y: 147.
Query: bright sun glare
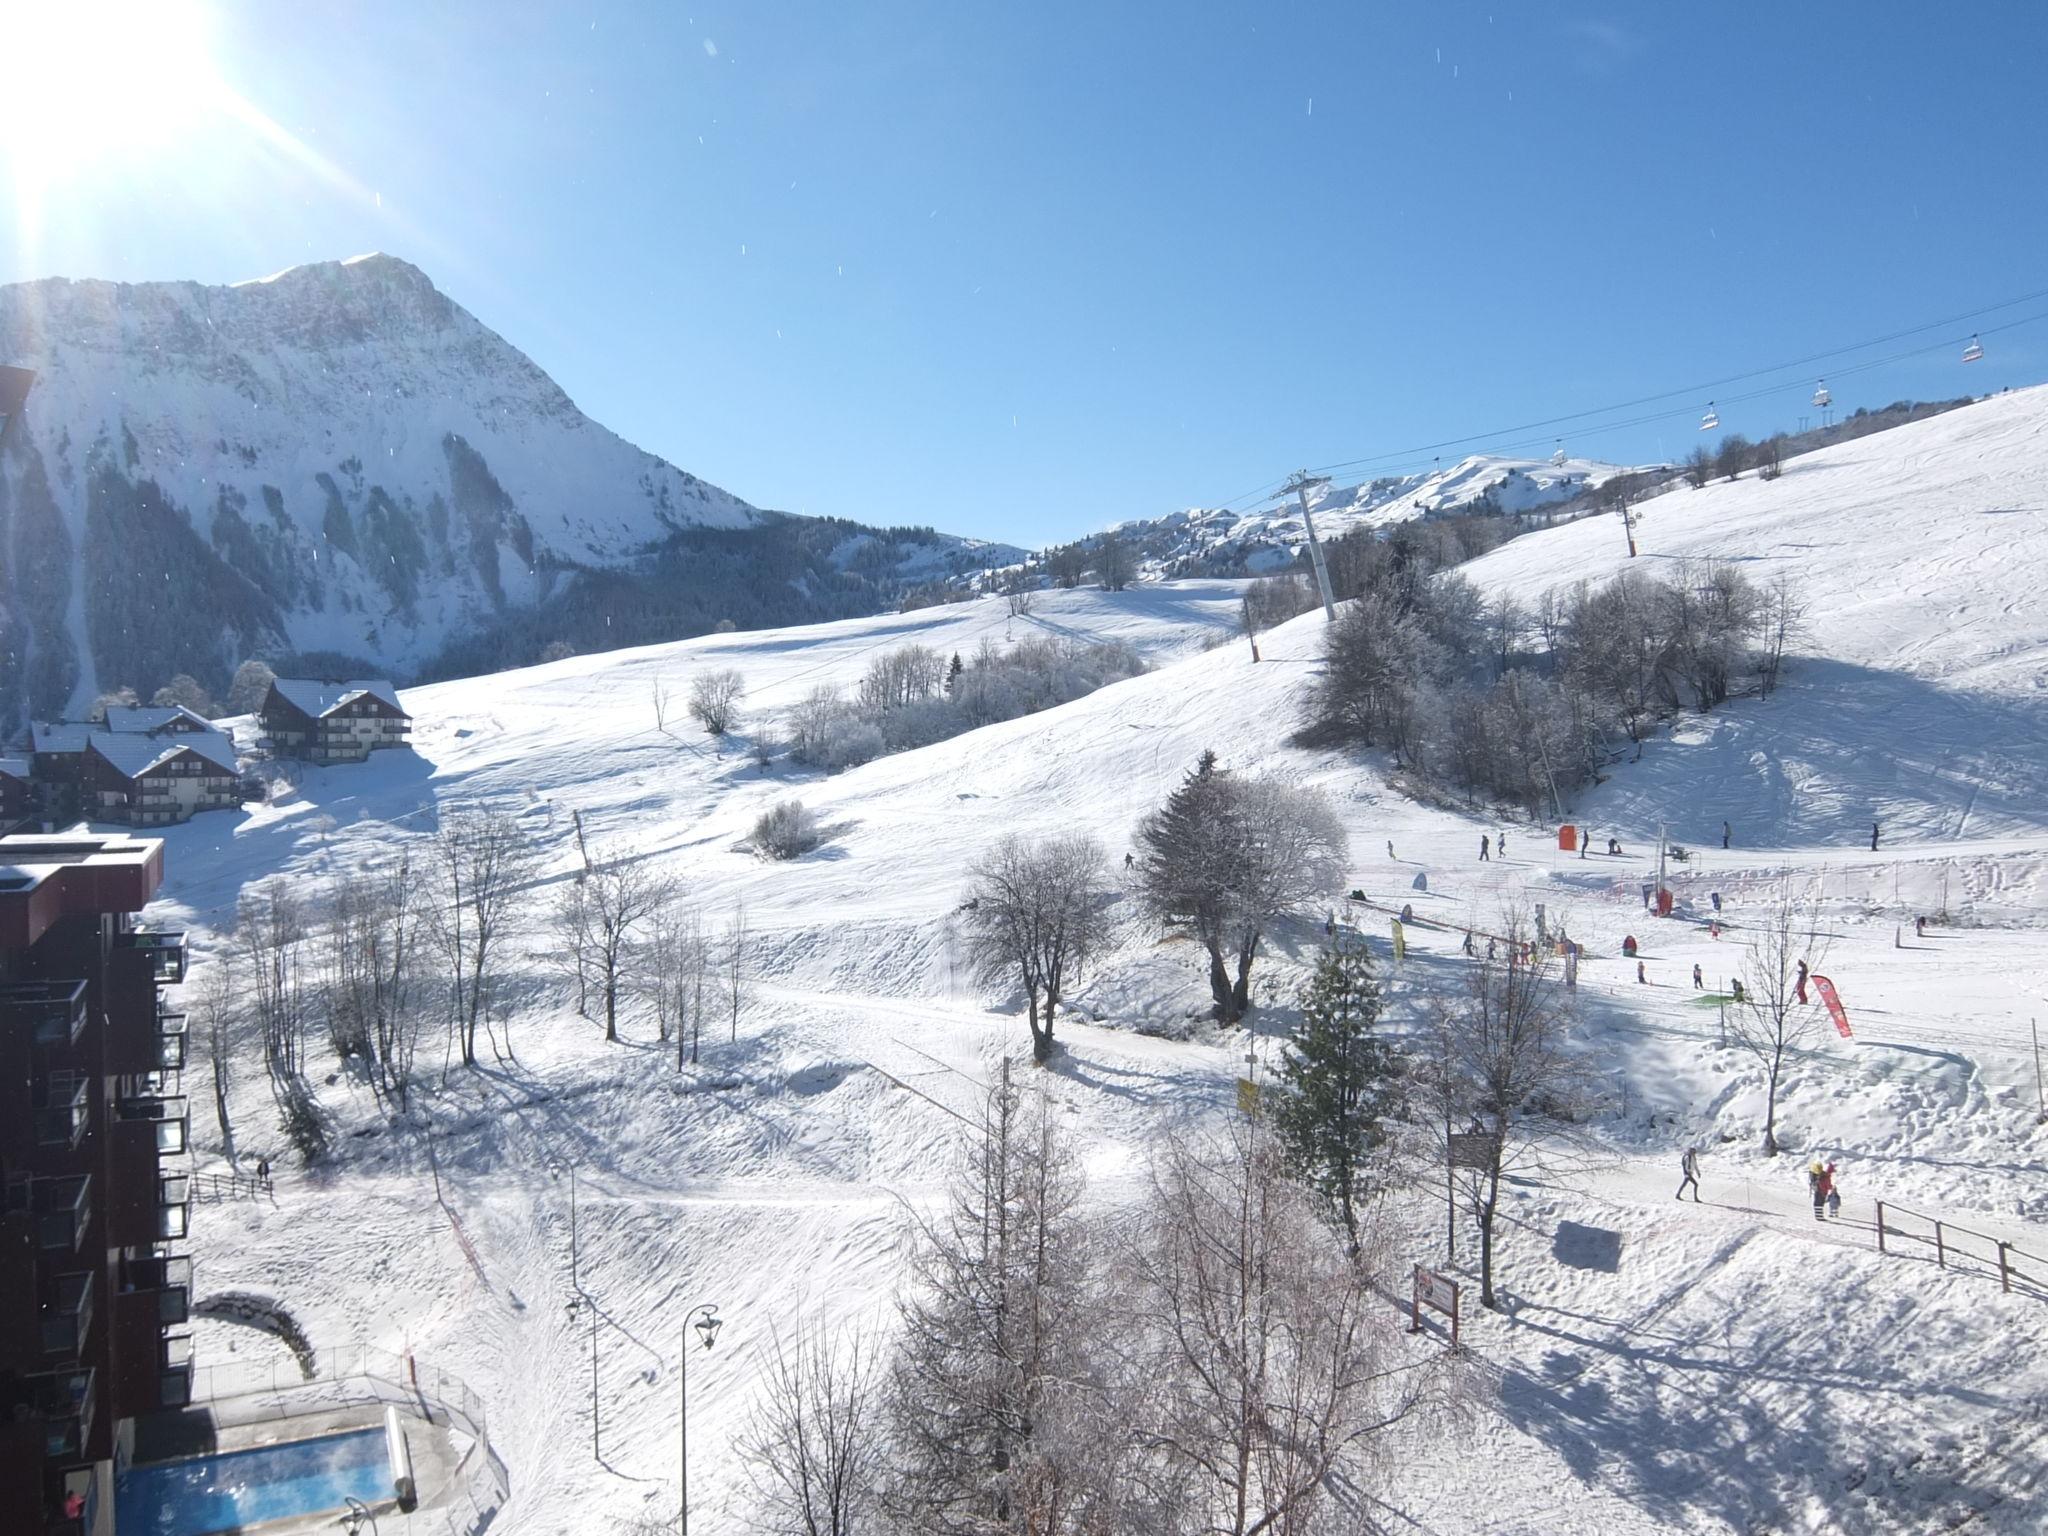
x: 88, y: 83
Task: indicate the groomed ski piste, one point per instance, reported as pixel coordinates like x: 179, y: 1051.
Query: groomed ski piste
x: 1738, y: 1367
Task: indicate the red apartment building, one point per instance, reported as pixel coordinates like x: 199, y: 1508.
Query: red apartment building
x: 93, y: 1295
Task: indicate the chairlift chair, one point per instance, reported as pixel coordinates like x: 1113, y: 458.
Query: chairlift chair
x: 1711, y: 420
x: 1973, y: 351
x: 1557, y: 458
x: 1821, y: 398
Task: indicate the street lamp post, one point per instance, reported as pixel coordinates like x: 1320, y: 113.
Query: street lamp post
x: 707, y: 1324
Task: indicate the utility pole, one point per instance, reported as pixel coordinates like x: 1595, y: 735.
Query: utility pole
x: 2040, y: 1092
x: 1300, y: 486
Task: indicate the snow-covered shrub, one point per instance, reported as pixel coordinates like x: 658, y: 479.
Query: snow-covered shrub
x: 786, y: 831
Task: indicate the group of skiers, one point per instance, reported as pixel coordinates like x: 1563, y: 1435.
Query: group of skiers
x: 1822, y: 1182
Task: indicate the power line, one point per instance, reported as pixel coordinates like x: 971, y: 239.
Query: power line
x: 1704, y: 387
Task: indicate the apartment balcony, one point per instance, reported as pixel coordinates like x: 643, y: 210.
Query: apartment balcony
x: 63, y: 1210
x: 61, y: 1110
x: 169, y: 1278
x: 168, y: 1115
x: 174, y: 1371
x: 67, y: 1315
x: 170, y: 1042
x: 167, y: 950
x: 173, y: 1206
x: 82, y: 1489
x: 55, y: 1011
x: 63, y: 1400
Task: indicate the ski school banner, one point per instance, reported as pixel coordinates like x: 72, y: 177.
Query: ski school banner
x: 1836, y: 1011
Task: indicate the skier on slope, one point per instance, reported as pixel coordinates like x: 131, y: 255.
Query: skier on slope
x: 1697, y: 983
x: 1689, y: 1165
x: 1500, y: 844
x: 1799, y: 983
x: 1873, y: 837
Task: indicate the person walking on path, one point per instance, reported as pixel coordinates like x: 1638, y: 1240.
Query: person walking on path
x: 1640, y: 977
x: 1585, y: 842
x: 1689, y: 1165
x: 1500, y: 845
x: 1725, y: 834
x: 1484, y: 845
x: 1697, y: 983
x: 1873, y: 836
x: 1816, y: 1184
x: 1390, y: 847
x: 1834, y: 1194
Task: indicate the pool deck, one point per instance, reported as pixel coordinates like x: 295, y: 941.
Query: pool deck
x: 436, y: 1454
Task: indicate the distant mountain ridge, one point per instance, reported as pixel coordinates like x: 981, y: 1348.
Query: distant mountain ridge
x: 1211, y: 541
x: 341, y: 460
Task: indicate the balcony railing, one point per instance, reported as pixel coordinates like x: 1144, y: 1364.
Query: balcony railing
x: 64, y: 1402
x: 61, y: 1110
x: 169, y: 1116
x: 63, y: 1210
x: 167, y: 948
x: 170, y: 1042
x: 54, y: 1010
x: 67, y: 1315
x: 173, y: 1206
x: 170, y: 1278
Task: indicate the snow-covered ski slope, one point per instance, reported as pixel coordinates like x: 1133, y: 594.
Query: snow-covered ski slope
x: 1921, y: 555
x: 1738, y: 1368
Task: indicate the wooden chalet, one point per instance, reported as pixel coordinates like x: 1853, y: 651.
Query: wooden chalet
x: 333, y: 722
x: 152, y: 781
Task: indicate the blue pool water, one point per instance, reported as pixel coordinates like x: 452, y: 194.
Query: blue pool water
x: 223, y: 1493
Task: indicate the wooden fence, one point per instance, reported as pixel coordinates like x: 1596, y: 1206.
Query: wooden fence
x: 1957, y: 1247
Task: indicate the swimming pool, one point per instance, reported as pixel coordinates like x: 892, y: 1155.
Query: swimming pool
x: 205, y: 1494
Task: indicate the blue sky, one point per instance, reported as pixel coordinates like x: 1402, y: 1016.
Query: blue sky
x: 1021, y: 270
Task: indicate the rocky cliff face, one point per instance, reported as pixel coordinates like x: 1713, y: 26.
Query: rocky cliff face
x: 337, y: 459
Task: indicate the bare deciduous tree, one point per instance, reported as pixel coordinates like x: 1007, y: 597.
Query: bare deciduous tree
x: 1782, y: 623
x: 216, y: 1009
x: 1031, y: 920
x: 662, y: 699
x: 1272, y: 1363
x: 1507, y: 1070
x: 1116, y: 563
x: 737, y: 957
x: 270, y: 932
x: 372, y: 940
x: 600, y: 917
x: 1771, y: 1020
x: 715, y: 699
x: 675, y: 967
x: 811, y: 1447
x: 482, y: 861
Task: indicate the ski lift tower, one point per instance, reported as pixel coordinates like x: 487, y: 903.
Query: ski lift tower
x: 1300, y: 486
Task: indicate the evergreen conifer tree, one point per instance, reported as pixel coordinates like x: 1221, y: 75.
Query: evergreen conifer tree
x: 1340, y: 1085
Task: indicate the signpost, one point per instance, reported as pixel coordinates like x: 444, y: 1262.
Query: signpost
x: 1432, y: 1290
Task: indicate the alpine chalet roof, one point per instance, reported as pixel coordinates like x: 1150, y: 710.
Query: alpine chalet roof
x: 134, y: 755
x: 58, y: 736
x: 14, y: 767
x: 131, y: 719
x: 317, y: 699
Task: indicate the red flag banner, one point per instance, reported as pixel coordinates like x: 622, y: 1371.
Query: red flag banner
x: 1836, y: 1011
